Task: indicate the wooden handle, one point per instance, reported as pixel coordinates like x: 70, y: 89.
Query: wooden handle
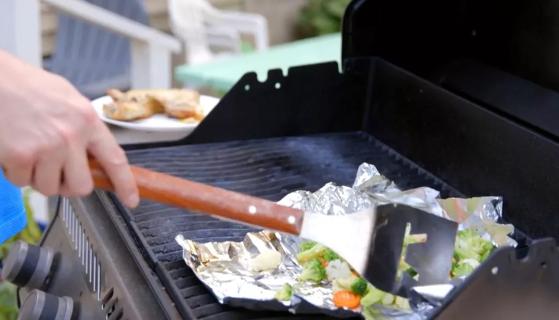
x: 203, y: 198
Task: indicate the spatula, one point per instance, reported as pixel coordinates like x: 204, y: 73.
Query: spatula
x: 351, y: 236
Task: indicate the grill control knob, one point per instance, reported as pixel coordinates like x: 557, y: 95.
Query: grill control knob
x: 27, y: 265
x: 40, y: 305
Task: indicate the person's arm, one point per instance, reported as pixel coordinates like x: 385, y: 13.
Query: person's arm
x: 47, y: 130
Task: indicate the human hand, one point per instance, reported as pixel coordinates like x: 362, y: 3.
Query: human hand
x: 47, y: 130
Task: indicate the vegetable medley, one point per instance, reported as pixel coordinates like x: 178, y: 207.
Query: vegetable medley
x: 322, y: 265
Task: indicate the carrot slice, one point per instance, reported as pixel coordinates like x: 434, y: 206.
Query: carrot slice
x: 346, y: 299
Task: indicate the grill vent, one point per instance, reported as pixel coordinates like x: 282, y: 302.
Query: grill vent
x: 113, y: 310
x: 80, y: 242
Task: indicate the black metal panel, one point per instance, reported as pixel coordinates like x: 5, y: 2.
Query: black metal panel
x: 517, y: 36
x: 521, y: 100
x: 268, y: 168
x: 516, y: 40
x: 475, y: 150
x: 509, y: 287
x: 310, y: 99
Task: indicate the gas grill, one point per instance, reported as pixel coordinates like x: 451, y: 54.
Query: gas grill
x: 460, y: 96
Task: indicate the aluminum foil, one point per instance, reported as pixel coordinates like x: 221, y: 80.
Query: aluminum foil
x: 225, y: 267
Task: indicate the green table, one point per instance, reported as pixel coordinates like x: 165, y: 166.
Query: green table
x: 221, y: 75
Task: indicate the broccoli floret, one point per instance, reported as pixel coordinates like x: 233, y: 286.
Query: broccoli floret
x: 464, y: 267
x: 306, y: 245
x: 311, y: 250
x: 359, y: 286
x: 330, y: 255
x: 469, y: 251
x: 313, y: 271
x: 285, y: 293
x: 315, y: 252
x: 470, y: 245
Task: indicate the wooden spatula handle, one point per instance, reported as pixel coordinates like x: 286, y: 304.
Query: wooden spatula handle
x: 203, y: 198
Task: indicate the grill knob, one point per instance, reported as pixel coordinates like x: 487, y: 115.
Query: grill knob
x: 40, y: 305
x: 27, y: 265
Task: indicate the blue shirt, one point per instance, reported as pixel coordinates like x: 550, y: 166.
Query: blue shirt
x: 12, y: 212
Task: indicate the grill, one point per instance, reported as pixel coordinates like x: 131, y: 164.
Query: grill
x: 434, y: 94
x: 268, y: 168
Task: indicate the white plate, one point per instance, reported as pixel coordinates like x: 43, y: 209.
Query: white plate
x: 157, y: 122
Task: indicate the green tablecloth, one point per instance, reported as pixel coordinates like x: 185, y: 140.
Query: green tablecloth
x: 221, y: 75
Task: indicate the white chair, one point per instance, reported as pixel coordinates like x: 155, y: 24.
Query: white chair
x: 150, y: 50
x: 209, y: 33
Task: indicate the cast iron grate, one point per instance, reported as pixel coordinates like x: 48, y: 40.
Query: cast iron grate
x: 268, y: 168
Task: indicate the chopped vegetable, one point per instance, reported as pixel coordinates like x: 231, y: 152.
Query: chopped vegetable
x: 330, y: 255
x: 373, y: 296
x: 371, y: 313
x: 344, y: 283
x: 338, y: 269
x: 346, y: 299
x: 266, y: 260
x: 469, y: 251
x: 359, y: 286
x: 314, y: 252
x: 464, y: 267
x: 317, y: 251
x: 409, y: 239
x: 313, y: 271
x: 470, y: 245
x: 402, y: 303
x: 306, y: 245
x: 388, y: 299
x: 351, y: 291
x: 285, y: 293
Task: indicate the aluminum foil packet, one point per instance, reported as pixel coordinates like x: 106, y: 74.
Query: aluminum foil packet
x: 227, y: 268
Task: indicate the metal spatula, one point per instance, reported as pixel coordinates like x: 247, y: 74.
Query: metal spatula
x: 370, y: 241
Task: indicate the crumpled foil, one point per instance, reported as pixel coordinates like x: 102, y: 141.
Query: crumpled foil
x: 225, y: 267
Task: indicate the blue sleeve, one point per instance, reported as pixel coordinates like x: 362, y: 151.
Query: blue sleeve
x: 12, y: 212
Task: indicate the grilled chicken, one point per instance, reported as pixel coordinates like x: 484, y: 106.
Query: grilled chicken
x: 140, y: 104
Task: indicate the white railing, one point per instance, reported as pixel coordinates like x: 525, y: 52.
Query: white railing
x: 20, y: 22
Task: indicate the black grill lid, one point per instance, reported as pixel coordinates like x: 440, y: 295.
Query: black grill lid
x: 501, y: 54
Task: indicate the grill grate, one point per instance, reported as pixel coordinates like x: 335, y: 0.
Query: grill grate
x: 268, y: 168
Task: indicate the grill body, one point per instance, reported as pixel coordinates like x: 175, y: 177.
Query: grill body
x: 446, y: 124
x: 377, y: 113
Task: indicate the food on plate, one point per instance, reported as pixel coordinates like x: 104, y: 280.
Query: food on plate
x: 285, y: 293
x: 132, y: 105
x: 266, y: 260
x: 127, y: 107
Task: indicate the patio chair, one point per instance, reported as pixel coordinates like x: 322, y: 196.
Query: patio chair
x: 91, y: 57
x: 209, y: 33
